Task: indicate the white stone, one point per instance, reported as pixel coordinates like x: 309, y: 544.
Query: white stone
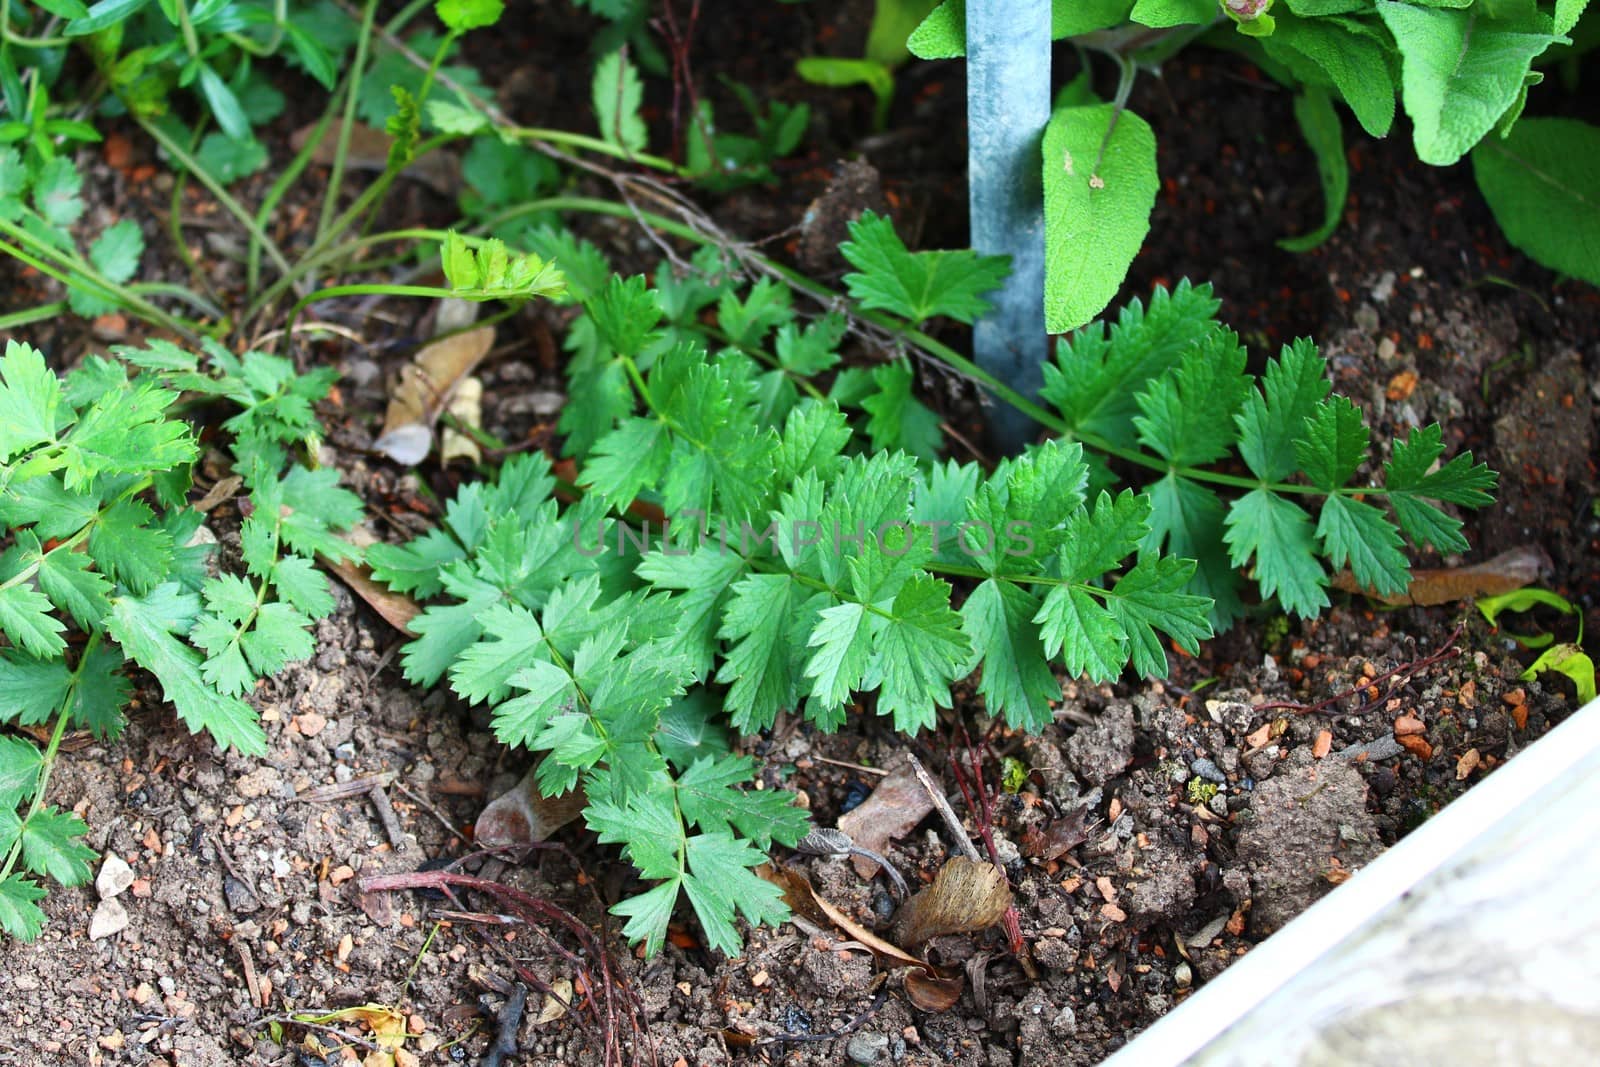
x: 115, y: 876
x: 110, y: 917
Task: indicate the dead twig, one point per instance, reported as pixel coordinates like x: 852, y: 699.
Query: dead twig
x: 952, y: 821
x: 506, y: 1024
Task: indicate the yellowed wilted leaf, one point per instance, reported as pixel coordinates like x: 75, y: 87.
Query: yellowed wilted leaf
x: 965, y: 896
x: 555, y: 1006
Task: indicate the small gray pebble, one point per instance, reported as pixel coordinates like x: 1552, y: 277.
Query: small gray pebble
x: 240, y: 899
x: 345, y: 751
x: 867, y: 1048
x: 1208, y: 770
x: 1218, y: 804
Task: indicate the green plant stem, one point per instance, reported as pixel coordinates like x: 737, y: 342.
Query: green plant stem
x: 52, y: 748
x: 28, y: 42
x: 178, y: 152
x: 280, y: 188
x: 31, y: 315
x: 330, y: 199
x: 405, y: 15
x: 591, y: 144
x: 72, y: 272
x: 313, y: 255
x: 191, y: 40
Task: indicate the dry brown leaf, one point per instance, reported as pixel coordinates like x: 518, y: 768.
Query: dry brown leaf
x: 965, y: 896
x: 368, y: 149
x: 522, y: 815
x: 396, y: 609
x: 426, y: 386
x: 1509, y: 570
x: 467, y: 406
x: 555, y: 1002
x: 893, y: 810
x: 931, y: 993
x: 804, y: 900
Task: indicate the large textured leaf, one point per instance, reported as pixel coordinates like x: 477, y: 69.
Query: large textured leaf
x: 1460, y: 73
x: 1096, y: 210
x: 1541, y: 183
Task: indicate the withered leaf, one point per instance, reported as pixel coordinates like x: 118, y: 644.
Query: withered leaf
x: 523, y: 816
x: 965, y: 896
x: 893, y: 810
x: 1506, y: 572
x: 427, y: 385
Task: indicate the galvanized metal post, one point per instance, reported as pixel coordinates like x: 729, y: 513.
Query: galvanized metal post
x: 1008, y: 105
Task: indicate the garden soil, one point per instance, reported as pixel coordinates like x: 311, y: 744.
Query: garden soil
x: 1153, y: 834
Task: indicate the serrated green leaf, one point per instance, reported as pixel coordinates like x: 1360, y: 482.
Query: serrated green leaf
x: 1151, y: 597
x: 1074, y: 623
x: 30, y: 395
x: 20, y: 915
x: 1334, y: 445
x: 1186, y: 519
x: 997, y: 618
x: 52, y: 845
x: 1187, y: 414
x: 228, y: 159
x: 128, y: 547
x: 919, y: 652
x: 719, y: 881
x: 1098, y: 194
x: 843, y: 643
x: 20, y: 762
x: 26, y: 620
x: 55, y: 192
x: 1359, y: 535
x: 617, y: 95
x: 32, y: 689
x: 1096, y: 377
x: 547, y: 691
x: 136, y: 625
x: 115, y: 253
x: 898, y: 419
x: 67, y: 580
x: 708, y: 800
x: 648, y: 914
x: 1273, y: 417
x: 1459, y: 481
x: 1539, y: 182
x: 916, y: 285
x: 628, y: 459
x: 1277, y: 534
x: 813, y: 349
x: 625, y: 313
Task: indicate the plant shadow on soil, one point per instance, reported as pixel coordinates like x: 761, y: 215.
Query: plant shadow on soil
x: 237, y: 877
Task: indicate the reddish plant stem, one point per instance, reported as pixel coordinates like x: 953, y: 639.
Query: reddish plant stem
x: 983, y: 812
x: 536, y: 912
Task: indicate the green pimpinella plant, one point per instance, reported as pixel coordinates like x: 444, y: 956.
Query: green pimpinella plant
x: 811, y: 565
x: 101, y: 569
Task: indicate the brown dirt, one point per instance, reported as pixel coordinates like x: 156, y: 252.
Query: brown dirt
x: 237, y: 876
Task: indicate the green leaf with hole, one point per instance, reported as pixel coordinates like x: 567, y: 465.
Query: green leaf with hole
x: 1096, y: 208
